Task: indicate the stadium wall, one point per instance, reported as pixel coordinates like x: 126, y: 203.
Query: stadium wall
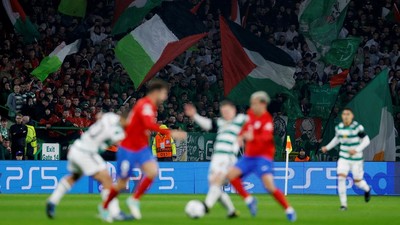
x: 191, y: 177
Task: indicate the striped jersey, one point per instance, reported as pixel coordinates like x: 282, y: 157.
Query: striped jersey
x: 350, y: 138
x: 228, y: 131
x: 105, y: 132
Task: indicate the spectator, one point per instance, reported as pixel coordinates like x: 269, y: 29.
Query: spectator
x: 19, y: 155
x: 4, y: 128
x: 18, y: 133
x: 5, y: 150
x: 15, y: 102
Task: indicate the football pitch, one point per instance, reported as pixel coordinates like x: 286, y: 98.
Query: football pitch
x: 168, y: 209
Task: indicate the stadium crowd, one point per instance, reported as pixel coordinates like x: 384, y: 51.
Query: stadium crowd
x: 93, y: 80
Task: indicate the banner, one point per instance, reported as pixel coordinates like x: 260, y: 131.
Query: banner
x: 322, y: 99
x: 50, y: 151
x: 200, y: 146
x: 32, y: 177
x: 308, y: 134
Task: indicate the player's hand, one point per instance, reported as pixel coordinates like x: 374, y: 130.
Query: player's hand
x: 352, y: 151
x: 324, y: 149
x: 248, y: 135
x: 178, y: 135
x: 190, y: 110
x: 240, y: 141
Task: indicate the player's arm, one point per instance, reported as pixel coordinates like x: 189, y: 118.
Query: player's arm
x: 148, y: 117
x: 204, y: 122
x: 364, y: 140
x: 332, y: 144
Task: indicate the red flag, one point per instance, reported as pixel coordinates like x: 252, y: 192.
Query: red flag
x: 339, y: 79
x: 235, y: 12
x: 196, y: 7
x: 120, y: 6
x: 396, y: 13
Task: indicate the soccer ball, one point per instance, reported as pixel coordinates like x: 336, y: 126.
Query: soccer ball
x: 195, y: 209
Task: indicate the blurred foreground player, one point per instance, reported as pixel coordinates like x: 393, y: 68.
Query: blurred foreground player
x: 226, y: 148
x: 353, y: 140
x: 135, y: 151
x: 84, y: 159
x: 259, y: 153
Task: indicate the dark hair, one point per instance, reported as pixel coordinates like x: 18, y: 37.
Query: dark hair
x: 227, y: 102
x: 157, y: 85
x: 348, y: 109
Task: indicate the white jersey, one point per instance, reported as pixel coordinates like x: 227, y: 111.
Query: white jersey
x: 100, y: 135
x: 228, y: 131
x: 350, y: 138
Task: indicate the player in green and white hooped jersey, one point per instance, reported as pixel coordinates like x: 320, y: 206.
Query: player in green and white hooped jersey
x: 353, y: 140
x: 226, y: 148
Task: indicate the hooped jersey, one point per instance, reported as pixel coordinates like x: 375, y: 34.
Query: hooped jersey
x: 228, y: 131
x: 103, y: 133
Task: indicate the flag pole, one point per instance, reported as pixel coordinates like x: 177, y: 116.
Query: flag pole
x: 288, y: 150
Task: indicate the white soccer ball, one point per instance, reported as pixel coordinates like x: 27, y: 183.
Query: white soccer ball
x: 195, y: 209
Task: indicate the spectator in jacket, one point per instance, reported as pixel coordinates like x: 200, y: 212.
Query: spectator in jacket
x: 15, y: 102
x: 18, y: 133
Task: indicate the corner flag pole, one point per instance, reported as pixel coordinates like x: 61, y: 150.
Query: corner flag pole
x: 288, y: 151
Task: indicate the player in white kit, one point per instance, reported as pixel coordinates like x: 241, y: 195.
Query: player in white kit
x: 353, y: 140
x: 226, y: 148
x: 84, y: 159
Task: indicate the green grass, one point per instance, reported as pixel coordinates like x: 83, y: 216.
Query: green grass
x: 168, y: 209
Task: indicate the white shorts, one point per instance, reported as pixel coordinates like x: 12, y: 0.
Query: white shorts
x: 80, y: 162
x: 344, y: 166
x: 221, y: 163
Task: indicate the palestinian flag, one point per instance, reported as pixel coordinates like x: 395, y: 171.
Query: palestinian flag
x: 251, y: 64
x: 235, y: 12
x: 75, y: 8
x: 20, y: 21
x: 339, y: 79
x: 129, y: 13
x: 155, y: 43
x: 53, y: 62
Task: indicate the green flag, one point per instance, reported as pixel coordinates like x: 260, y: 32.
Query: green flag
x: 342, y: 52
x: 321, y: 21
x: 322, y: 99
x: 73, y: 7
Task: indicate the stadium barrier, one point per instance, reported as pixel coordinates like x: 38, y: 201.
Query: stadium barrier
x: 191, y: 178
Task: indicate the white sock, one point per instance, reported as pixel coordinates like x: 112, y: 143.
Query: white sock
x: 214, y: 193
x: 62, y: 188
x: 289, y: 210
x: 227, y: 202
x: 363, y: 185
x: 248, y: 199
x: 113, y: 206
x: 342, y: 191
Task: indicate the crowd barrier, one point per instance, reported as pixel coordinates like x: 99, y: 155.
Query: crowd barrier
x: 191, y: 178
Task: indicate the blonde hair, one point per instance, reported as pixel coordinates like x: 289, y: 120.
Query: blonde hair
x: 262, y: 96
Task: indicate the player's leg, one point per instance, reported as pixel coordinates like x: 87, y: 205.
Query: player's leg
x: 265, y: 171
x: 343, y: 168
x: 64, y: 185
x: 216, y: 177
x: 357, y: 170
x: 242, y: 168
x: 125, y: 164
x: 149, y: 168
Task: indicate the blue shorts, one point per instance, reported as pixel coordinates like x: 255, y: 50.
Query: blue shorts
x: 257, y: 165
x: 127, y: 160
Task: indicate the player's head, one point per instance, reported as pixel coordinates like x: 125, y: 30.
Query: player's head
x: 158, y: 91
x: 259, y: 101
x: 227, y: 109
x: 347, y: 116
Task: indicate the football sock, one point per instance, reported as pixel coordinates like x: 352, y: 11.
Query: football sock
x: 237, y: 184
x: 342, y: 191
x: 227, y: 202
x: 146, y: 182
x: 280, y: 198
x: 214, y: 193
x: 363, y: 185
x: 113, y: 193
x: 113, y: 206
x: 62, y: 188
